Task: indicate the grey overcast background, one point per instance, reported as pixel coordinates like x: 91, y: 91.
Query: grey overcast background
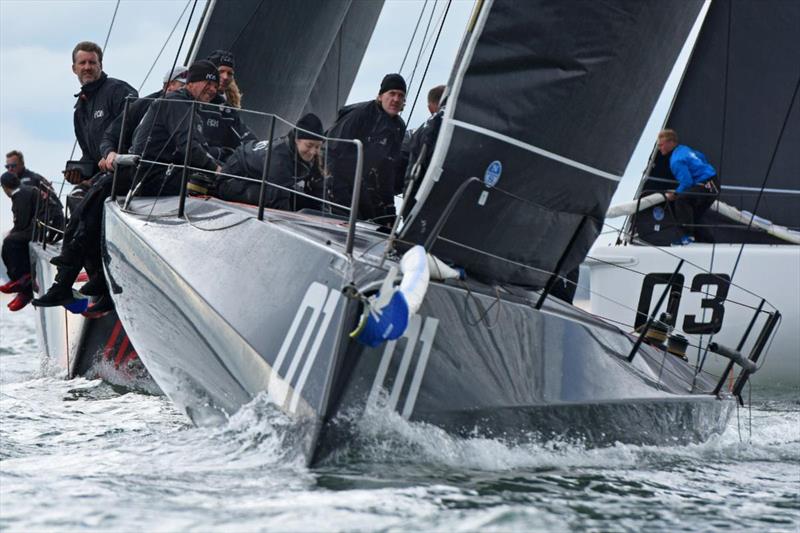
x: 37, y: 85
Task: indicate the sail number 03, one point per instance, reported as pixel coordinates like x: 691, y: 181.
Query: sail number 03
x: 705, y: 282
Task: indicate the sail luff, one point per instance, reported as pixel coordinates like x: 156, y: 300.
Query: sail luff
x: 478, y: 20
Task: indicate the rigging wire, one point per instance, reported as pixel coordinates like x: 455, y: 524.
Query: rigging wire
x: 183, y: 38
x: 769, y: 169
x: 164, y: 46
x: 105, y: 43
x: 111, y: 26
x: 413, y: 35
x: 161, y: 95
x: 421, y: 47
x: 430, y: 58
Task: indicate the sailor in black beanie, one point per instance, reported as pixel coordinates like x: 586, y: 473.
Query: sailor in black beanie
x: 161, y: 136
x: 377, y: 124
x: 223, y: 126
x: 294, y: 165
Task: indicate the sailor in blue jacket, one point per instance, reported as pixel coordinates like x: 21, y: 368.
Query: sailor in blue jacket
x: 698, y: 186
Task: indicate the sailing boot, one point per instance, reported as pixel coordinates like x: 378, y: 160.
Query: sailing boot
x: 17, y: 285
x: 101, y: 307
x: 60, y: 293
x: 21, y: 300
x: 96, y: 286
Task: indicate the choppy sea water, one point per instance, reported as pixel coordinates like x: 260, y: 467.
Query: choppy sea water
x: 81, y: 455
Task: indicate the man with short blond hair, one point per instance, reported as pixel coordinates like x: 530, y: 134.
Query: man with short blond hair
x: 698, y: 186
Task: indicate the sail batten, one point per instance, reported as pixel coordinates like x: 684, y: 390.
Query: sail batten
x: 546, y: 104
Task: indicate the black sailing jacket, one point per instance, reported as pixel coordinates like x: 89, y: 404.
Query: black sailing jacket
x: 223, y: 128
x: 23, y: 208
x: 164, y: 131
x: 382, y: 136
x: 286, y: 169
x: 99, y: 103
x: 136, y: 112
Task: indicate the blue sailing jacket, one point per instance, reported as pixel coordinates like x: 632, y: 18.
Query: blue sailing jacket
x: 689, y: 167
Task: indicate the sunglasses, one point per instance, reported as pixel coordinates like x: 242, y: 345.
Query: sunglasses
x: 9, y: 166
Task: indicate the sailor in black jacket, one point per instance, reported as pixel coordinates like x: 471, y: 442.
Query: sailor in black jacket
x: 164, y: 132
x: 294, y: 166
x: 50, y: 208
x: 15, y: 244
x: 100, y: 101
x: 222, y: 125
x: 174, y: 79
x: 161, y: 136
x: 378, y: 125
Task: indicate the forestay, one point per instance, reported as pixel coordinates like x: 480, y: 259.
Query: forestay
x: 546, y: 104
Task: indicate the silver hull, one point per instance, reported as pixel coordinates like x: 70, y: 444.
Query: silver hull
x: 223, y: 307
x: 95, y: 349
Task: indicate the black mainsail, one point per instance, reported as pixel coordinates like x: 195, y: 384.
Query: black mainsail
x: 291, y: 57
x: 545, y: 107
x: 739, y: 88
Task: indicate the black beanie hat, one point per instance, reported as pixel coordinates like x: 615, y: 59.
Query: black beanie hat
x: 312, y: 126
x: 10, y: 180
x: 222, y: 58
x: 203, y: 70
x: 393, y: 82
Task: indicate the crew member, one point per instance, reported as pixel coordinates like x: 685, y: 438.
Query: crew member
x: 161, y: 136
x: 173, y: 80
x: 100, y: 101
x: 164, y: 132
x: 698, y: 186
x: 222, y: 126
x: 424, y: 136
x: 294, y: 165
x: 378, y: 125
x: 50, y: 209
x: 15, y: 244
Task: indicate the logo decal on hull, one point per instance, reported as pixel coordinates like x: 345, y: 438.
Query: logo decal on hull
x: 313, y: 317
x: 420, y: 331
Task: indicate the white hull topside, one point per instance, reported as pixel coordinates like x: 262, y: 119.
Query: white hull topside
x: 767, y: 271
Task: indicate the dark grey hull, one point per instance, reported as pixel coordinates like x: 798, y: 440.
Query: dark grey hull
x: 94, y: 349
x: 226, y: 307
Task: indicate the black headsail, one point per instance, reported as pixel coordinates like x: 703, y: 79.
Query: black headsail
x: 287, y: 52
x: 738, y: 90
x: 546, y: 103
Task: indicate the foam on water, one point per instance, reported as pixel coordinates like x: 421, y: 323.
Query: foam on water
x: 81, y: 454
